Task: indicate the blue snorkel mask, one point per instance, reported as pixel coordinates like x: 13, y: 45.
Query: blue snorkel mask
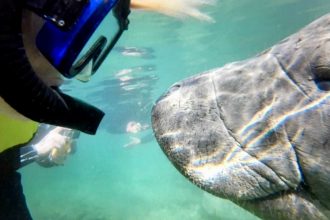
x: 79, y: 34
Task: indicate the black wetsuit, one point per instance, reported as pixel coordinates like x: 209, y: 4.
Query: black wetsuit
x: 12, y: 200
x: 25, y: 92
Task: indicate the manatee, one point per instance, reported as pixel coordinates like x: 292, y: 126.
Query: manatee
x: 257, y: 132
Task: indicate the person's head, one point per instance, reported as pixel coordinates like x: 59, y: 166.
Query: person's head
x: 72, y: 39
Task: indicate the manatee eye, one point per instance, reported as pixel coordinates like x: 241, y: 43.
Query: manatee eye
x: 322, y: 77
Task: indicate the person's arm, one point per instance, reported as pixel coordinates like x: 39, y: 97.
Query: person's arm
x: 31, y: 97
x: 175, y: 8
x: 145, y: 4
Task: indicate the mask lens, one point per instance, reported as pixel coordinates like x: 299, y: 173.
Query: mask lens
x: 97, y: 48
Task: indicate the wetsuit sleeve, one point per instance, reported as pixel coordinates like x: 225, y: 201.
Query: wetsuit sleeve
x: 25, y: 92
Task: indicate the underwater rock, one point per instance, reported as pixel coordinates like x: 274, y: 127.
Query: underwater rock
x: 257, y: 132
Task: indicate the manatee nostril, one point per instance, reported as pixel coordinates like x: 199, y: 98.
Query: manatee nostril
x: 174, y: 87
x: 171, y: 90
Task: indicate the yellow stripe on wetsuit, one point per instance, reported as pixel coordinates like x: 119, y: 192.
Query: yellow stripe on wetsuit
x: 15, y: 131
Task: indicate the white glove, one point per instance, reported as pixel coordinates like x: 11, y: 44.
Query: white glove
x: 54, y: 147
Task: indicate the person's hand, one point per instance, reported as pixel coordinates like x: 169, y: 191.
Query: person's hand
x: 175, y: 8
x: 54, y: 148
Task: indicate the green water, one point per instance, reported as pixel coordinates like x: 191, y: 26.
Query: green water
x: 103, y: 180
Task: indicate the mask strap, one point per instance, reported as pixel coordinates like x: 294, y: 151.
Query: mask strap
x: 64, y: 14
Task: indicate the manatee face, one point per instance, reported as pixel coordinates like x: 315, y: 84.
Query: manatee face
x: 257, y: 132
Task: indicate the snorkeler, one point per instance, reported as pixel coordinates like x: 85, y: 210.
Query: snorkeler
x: 29, y: 85
x: 60, y: 38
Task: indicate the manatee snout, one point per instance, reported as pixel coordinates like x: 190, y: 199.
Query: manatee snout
x: 175, y: 113
x: 183, y: 121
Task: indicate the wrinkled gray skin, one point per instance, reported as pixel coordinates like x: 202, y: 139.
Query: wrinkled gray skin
x: 257, y: 132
